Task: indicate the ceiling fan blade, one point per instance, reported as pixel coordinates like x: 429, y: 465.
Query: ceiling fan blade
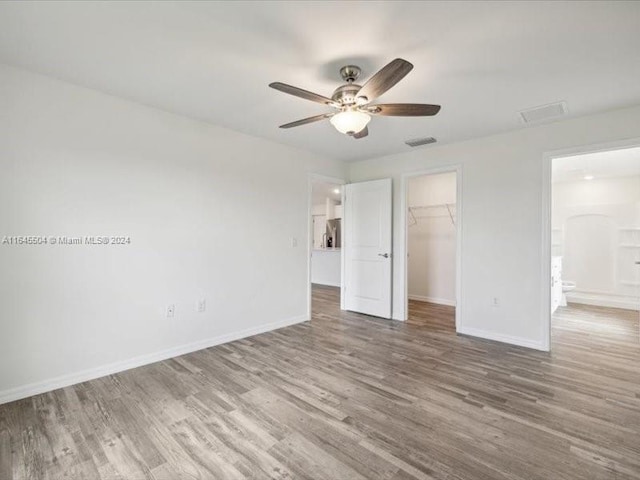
x: 362, y: 133
x: 384, y: 79
x: 403, y: 109
x: 299, y: 92
x: 304, y: 121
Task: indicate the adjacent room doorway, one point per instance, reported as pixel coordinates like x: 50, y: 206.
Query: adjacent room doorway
x: 594, y: 242
x: 350, y: 231
x: 325, y: 242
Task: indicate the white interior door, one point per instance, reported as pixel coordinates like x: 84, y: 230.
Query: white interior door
x: 367, y: 247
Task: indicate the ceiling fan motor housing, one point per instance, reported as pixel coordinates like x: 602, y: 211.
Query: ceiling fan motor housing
x: 346, y: 94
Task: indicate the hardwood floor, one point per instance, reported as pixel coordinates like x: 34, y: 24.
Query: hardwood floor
x: 349, y: 397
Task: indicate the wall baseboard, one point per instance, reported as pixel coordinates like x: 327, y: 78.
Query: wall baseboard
x: 62, y: 381
x: 599, y: 300
x: 327, y: 283
x: 498, y: 337
x: 439, y: 301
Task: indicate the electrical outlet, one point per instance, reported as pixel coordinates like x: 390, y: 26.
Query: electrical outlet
x: 202, y: 305
x: 294, y: 242
x: 171, y: 311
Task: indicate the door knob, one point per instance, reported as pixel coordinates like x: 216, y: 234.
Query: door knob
x: 385, y: 255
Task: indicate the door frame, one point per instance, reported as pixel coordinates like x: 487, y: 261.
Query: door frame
x: 404, y: 232
x: 547, y: 191
x: 317, y: 177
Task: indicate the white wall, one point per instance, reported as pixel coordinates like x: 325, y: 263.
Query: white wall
x: 596, y: 229
x: 432, y: 239
x: 502, y: 224
x: 210, y: 213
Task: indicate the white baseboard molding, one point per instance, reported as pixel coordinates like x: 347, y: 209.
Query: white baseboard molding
x: 62, y: 381
x: 439, y: 301
x: 498, y: 337
x: 599, y: 300
x: 327, y: 283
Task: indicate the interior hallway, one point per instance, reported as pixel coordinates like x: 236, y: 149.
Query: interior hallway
x: 348, y: 396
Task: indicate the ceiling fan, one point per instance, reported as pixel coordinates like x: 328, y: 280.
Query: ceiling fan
x: 352, y: 101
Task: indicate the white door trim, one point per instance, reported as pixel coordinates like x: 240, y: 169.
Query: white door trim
x: 317, y: 177
x: 404, y: 244
x: 547, y: 158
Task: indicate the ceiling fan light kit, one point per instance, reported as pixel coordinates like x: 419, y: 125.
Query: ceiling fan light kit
x: 350, y: 122
x: 352, y: 100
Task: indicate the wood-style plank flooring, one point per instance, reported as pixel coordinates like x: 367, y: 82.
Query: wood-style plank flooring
x: 350, y: 397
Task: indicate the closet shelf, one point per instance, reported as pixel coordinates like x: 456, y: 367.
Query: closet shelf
x: 430, y: 211
x: 629, y: 245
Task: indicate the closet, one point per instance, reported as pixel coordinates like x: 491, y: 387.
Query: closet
x: 431, y: 234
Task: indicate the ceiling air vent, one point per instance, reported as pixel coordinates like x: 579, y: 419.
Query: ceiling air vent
x: 544, y: 112
x: 416, y: 142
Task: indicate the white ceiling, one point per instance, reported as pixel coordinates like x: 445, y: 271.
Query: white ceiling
x: 482, y: 61
x: 322, y: 190
x: 615, y: 163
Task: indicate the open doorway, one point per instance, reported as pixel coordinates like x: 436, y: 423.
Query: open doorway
x: 595, y: 245
x: 326, y: 245
x: 432, y: 249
